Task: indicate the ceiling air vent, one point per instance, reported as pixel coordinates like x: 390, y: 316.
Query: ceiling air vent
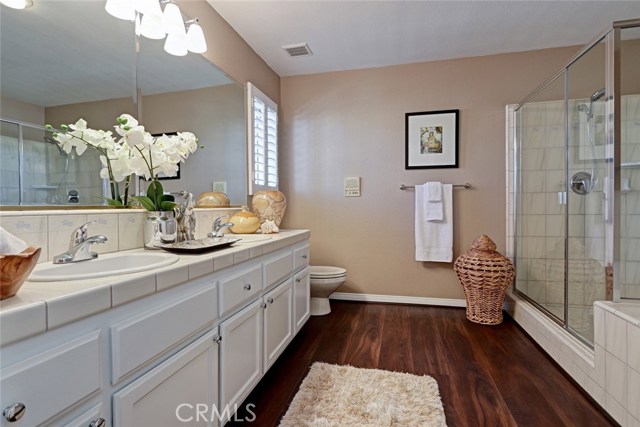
x: 301, y: 49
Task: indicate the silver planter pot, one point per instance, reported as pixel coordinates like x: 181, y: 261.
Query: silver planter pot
x: 160, y: 227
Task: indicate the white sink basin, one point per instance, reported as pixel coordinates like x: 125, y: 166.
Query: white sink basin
x: 248, y: 238
x: 105, y: 265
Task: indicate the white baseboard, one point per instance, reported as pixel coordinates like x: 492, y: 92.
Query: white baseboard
x: 399, y: 299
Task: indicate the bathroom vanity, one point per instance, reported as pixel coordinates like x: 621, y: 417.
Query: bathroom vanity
x: 180, y: 345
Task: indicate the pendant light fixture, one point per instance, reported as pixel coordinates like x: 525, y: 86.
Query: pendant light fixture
x: 172, y: 19
x: 153, y: 23
x: 196, y: 42
x: 17, y: 4
x: 121, y: 9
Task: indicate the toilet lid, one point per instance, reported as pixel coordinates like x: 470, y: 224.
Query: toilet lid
x: 321, y: 271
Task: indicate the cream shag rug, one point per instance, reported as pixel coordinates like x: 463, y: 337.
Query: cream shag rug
x: 344, y: 396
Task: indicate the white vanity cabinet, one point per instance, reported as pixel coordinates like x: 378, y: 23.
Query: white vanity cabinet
x: 94, y: 417
x: 187, y: 353
x: 180, y: 391
x: 278, y: 322
x: 301, y: 299
x: 41, y: 387
x: 240, y: 355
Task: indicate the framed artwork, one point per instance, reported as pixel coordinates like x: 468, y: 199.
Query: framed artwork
x: 431, y: 139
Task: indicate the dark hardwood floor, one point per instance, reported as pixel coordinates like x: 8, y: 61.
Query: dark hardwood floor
x: 488, y: 375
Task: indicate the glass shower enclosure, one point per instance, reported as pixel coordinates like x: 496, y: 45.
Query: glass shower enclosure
x: 577, y: 183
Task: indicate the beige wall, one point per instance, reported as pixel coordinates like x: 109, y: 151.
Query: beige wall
x: 352, y: 124
x: 21, y: 111
x: 229, y: 51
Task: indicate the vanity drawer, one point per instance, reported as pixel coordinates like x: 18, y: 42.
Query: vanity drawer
x: 300, y: 257
x: 277, y: 268
x: 52, y: 381
x: 239, y: 288
x: 143, y: 337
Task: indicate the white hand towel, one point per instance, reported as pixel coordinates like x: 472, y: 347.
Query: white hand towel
x: 434, y: 240
x: 10, y: 244
x: 435, y: 191
x: 434, y: 209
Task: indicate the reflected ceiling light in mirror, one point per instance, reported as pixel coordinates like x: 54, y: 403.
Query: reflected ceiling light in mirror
x: 151, y: 27
x: 176, y: 43
x: 148, y: 7
x: 17, y: 4
x: 172, y: 19
x: 196, y: 42
x: 121, y: 9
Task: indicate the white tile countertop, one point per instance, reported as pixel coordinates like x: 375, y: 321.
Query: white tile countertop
x: 40, y: 306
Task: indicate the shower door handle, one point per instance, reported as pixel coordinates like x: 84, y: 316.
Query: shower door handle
x: 562, y: 197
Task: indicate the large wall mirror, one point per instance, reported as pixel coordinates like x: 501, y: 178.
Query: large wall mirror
x: 66, y: 60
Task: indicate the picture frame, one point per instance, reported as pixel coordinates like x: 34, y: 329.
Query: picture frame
x: 431, y: 139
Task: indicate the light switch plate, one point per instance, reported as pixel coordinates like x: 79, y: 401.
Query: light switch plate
x: 352, y: 186
x: 220, y: 186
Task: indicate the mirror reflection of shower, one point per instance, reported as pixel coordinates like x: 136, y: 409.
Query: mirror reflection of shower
x: 587, y: 181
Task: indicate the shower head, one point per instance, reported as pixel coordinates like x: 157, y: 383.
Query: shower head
x: 52, y: 141
x: 597, y: 95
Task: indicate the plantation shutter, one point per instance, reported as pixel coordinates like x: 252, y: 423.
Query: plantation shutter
x: 263, y: 141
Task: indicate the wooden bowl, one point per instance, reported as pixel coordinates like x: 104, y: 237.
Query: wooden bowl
x: 15, y: 269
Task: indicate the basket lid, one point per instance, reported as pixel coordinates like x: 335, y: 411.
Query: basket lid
x: 483, y: 244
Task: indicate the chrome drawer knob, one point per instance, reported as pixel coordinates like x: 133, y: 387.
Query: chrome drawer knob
x: 217, y: 338
x: 247, y: 286
x: 298, y: 280
x: 263, y: 305
x: 100, y: 422
x: 14, y: 412
x: 270, y: 300
x: 304, y: 257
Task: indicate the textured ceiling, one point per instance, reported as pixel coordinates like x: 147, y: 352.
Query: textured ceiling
x: 360, y: 34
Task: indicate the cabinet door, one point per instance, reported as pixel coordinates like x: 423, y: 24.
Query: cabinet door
x: 240, y: 355
x: 94, y: 415
x: 172, y: 393
x: 301, y: 299
x: 46, y: 384
x: 278, y: 321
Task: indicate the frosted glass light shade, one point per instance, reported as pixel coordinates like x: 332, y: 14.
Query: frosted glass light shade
x: 17, y: 4
x: 196, y: 42
x: 172, y: 19
x: 148, y: 7
x: 151, y: 27
x: 121, y: 9
x: 176, y: 44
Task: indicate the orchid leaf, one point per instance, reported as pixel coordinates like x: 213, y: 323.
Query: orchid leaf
x: 145, y: 202
x: 167, y: 206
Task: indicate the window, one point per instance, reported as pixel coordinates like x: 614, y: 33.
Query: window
x: 263, y: 141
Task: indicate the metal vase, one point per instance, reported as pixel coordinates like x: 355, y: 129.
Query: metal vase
x: 160, y: 227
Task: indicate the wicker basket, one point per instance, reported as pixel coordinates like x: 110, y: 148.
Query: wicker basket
x: 485, y: 275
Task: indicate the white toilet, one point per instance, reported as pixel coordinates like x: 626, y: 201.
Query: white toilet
x: 324, y: 281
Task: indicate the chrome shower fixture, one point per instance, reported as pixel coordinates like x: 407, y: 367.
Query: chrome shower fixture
x: 597, y: 95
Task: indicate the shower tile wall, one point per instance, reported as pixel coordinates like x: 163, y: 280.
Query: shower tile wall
x: 630, y: 199
x: 43, y: 174
x: 542, y: 223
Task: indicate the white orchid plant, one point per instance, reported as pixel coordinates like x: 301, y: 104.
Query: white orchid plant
x: 133, y: 151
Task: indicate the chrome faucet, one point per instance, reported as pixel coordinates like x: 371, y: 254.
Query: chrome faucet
x: 218, y: 227
x: 80, y: 246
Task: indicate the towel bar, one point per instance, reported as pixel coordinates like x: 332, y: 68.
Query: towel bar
x: 466, y: 186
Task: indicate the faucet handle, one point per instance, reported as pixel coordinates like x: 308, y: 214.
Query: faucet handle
x: 79, y: 235
x: 217, y: 223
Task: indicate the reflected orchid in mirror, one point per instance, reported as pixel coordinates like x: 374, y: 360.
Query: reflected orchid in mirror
x: 135, y: 152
